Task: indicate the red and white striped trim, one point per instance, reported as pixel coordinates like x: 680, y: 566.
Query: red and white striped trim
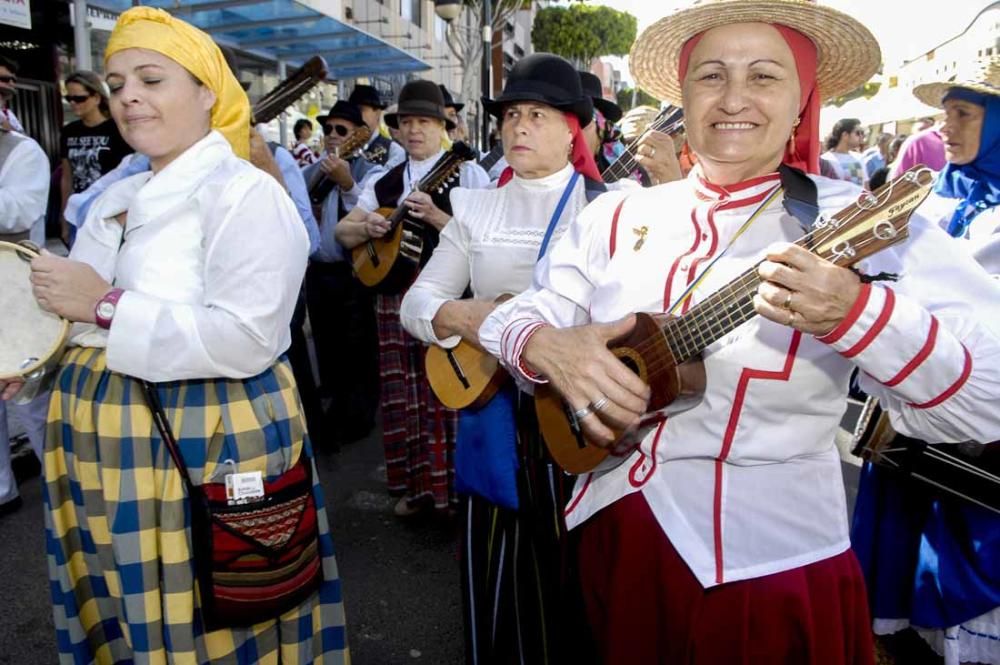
x: 953, y: 388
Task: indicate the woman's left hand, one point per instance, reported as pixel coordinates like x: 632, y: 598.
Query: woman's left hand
x: 804, y: 291
x: 68, y: 288
x: 656, y: 154
x: 422, y: 207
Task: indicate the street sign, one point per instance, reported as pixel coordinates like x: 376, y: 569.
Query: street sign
x: 16, y: 13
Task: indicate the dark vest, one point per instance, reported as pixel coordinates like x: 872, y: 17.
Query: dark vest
x: 376, y: 156
x: 389, y: 188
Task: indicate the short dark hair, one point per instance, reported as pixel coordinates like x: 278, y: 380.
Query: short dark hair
x: 9, y: 64
x: 300, y: 124
x: 844, y: 125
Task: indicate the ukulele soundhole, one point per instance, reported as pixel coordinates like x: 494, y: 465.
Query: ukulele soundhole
x: 631, y: 359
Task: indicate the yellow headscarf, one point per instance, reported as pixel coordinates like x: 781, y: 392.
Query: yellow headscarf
x: 156, y: 30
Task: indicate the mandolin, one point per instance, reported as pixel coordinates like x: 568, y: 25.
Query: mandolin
x: 319, y: 185
x: 389, y: 264
x: 665, y: 351
x: 307, y: 77
x: 669, y: 121
x: 465, y: 376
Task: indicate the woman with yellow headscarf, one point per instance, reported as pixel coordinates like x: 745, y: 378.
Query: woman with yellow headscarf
x: 184, y: 277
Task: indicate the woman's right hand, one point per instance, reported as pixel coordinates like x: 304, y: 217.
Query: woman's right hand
x: 578, y: 364
x: 10, y: 388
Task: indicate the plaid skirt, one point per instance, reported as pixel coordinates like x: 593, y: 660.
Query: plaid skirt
x: 418, y: 432
x: 117, y: 521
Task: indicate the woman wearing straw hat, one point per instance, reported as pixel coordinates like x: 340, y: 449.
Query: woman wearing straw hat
x: 184, y: 276
x: 723, y: 538
x: 931, y: 561
x: 90, y: 146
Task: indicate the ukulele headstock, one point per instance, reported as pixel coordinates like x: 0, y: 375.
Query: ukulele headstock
x: 875, y: 221
x: 358, y: 138
x: 447, y: 167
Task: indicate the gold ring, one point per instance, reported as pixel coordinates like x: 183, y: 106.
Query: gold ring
x: 788, y: 301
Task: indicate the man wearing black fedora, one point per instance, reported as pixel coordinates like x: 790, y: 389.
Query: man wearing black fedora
x: 418, y: 432
x: 379, y: 150
x: 453, y: 110
x: 655, y: 152
x: 341, y: 311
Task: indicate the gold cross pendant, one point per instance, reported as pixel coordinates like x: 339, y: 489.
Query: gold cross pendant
x: 640, y: 231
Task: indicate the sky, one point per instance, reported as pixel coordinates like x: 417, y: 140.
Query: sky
x: 904, y: 28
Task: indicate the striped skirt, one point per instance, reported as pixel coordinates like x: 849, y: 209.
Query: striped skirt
x: 117, y: 520
x: 521, y: 594
x: 417, y: 431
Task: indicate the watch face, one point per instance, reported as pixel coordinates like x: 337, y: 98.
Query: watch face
x: 106, y: 310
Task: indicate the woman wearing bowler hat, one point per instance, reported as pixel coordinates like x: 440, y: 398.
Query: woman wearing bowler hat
x: 418, y: 432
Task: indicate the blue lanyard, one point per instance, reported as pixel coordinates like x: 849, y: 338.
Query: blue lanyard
x: 556, y: 215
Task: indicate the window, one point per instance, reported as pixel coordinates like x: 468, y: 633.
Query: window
x: 440, y: 26
x: 410, y: 10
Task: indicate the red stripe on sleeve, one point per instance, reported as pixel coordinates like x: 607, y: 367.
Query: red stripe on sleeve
x: 613, y: 241
x: 917, y: 359
x: 877, y: 327
x: 852, y: 316
x: 954, y: 388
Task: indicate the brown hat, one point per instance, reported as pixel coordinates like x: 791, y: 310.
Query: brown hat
x: 422, y: 98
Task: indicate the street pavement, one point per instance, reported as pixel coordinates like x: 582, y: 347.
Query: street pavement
x: 400, y: 578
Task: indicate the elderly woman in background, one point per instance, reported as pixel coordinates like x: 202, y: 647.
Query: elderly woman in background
x: 932, y: 560
x: 185, y: 275
x: 723, y: 538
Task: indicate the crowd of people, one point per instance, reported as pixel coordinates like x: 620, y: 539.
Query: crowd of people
x: 199, y: 252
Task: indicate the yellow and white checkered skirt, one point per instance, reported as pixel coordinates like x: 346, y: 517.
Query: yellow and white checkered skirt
x: 117, y: 523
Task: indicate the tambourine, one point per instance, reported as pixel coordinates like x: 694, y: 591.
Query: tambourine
x: 31, y: 339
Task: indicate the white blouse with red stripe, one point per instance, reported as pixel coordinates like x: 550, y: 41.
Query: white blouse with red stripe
x: 748, y: 482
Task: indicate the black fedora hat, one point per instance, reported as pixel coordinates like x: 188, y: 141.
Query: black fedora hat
x: 345, y: 111
x: 545, y: 78
x: 593, y: 87
x: 449, y: 100
x: 366, y: 95
x: 421, y: 98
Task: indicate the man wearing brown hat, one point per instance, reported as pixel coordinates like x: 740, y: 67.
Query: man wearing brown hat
x: 379, y: 149
x: 418, y: 432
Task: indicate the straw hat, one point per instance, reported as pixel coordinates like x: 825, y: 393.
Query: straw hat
x: 847, y: 52
x: 984, y: 78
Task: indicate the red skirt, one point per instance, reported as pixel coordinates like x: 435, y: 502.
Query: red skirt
x: 645, y: 606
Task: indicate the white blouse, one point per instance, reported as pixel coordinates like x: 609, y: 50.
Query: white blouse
x: 748, y: 482
x: 211, y: 260
x: 491, y: 242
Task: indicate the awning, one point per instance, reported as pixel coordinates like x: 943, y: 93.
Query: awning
x: 287, y: 30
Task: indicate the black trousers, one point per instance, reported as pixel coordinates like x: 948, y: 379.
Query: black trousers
x: 342, y: 312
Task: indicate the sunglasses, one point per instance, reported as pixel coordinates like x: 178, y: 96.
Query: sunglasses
x: 8, y: 79
x: 76, y: 99
x: 340, y: 129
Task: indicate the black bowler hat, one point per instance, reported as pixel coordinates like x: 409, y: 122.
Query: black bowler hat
x: 421, y: 98
x: 449, y: 100
x: 365, y: 95
x: 345, y: 111
x: 592, y: 86
x: 545, y: 78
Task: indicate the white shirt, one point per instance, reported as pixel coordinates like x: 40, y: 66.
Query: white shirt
x: 211, y: 262
x: 491, y: 242
x: 748, y: 483
x: 470, y: 177
x: 24, y: 190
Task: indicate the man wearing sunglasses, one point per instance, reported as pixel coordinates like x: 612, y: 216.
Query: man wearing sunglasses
x: 8, y: 78
x: 340, y: 309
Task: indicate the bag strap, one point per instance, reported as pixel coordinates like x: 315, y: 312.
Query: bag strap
x: 152, y: 397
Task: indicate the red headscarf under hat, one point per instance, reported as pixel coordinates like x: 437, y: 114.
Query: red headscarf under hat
x: 582, y: 159
x: 803, y: 152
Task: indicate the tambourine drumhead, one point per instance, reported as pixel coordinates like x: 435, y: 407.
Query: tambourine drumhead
x: 29, y: 336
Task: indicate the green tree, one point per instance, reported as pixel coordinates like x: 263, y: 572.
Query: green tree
x: 583, y: 32
x: 643, y: 98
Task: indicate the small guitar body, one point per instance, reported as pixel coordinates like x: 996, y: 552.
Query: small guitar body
x: 644, y: 351
x: 465, y: 376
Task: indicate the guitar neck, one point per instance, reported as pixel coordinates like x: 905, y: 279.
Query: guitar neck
x: 668, y: 122
x: 491, y: 159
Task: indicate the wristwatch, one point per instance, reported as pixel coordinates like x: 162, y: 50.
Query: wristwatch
x: 104, y: 312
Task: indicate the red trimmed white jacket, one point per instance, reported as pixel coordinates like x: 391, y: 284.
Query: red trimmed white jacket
x: 748, y: 483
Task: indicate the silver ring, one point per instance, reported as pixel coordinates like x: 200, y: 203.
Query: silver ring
x: 652, y: 151
x: 788, y: 301
x: 580, y: 414
x: 599, y: 404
